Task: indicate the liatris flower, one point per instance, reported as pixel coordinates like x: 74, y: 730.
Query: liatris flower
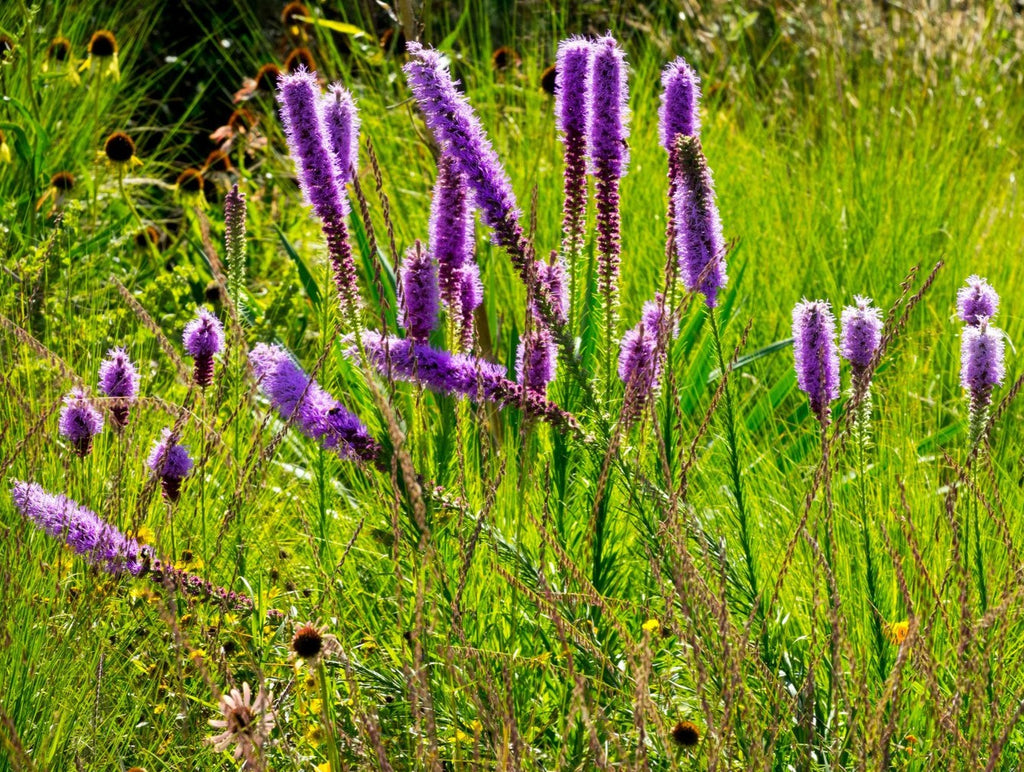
x: 83, y: 530
x: 553, y: 284
x: 536, y: 360
x: 977, y: 301
x: 642, y: 355
x: 234, y: 239
x: 471, y: 295
x: 204, y: 337
x: 982, y: 368
x: 460, y: 374
x: 341, y: 124
x: 170, y: 462
x: 698, y: 227
x: 315, y: 413
x: 680, y: 98
x: 609, y: 155
x: 457, y: 129
x: 451, y: 229
x: 120, y: 379
x: 79, y: 422
x: 817, y: 359
x: 420, y: 301
x: 246, y: 723
x: 572, y: 113
x: 298, y: 95
x: 861, y: 334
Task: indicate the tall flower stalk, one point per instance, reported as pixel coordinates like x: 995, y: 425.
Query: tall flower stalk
x: 203, y: 339
x: 234, y: 240
x: 698, y: 226
x: 120, y: 380
x: 451, y: 246
x: 572, y: 114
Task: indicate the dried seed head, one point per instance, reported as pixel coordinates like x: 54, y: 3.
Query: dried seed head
x: 59, y: 49
x: 292, y: 11
x: 504, y: 57
x: 307, y: 642
x: 547, y: 80
x: 218, y: 161
x: 686, y: 733
x: 62, y: 181
x: 119, y: 147
x: 266, y: 78
x: 190, y: 181
x: 103, y: 44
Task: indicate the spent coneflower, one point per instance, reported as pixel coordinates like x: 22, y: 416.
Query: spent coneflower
x: 548, y: 79
x: 119, y: 149
x: 311, y: 644
x: 686, y: 734
x: 79, y: 422
x: 299, y: 58
x: 150, y: 235
x: 102, y: 56
x: 60, y: 58
x: 816, y: 354
x: 218, y: 161
x: 263, y: 83
x: 203, y: 337
x: 420, y: 293
x: 977, y: 301
x: 190, y: 181
x: 504, y: 58
x: 246, y: 723
x: 170, y: 461
x: 119, y: 380
x: 59, y: 50
x: 982, y: 368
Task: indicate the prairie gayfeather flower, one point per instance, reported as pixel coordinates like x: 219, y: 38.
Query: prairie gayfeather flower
x: 120, y: 379
x: 817, y: 358
x: 698, y: 226
x: 680, y: 97
x: 79, y: 422
x: 203, y: 337
x: 553, y: 284
x: 234, y: 239
x: 420, y: 301
x: 83, y: 530
x: 315, y: 412
x: 982, y: 365
x: 536, y: 360
x: 246, y: 723
x: 977, y: 301
x: 341, y: 124
x: 451, y: 229
x: 642, y: 354
x: 471, y: 295
x: 861, y: 334
x: 457, y: 129
x: 572, y: 113
x: 170, y: 462
x: 299, y: 97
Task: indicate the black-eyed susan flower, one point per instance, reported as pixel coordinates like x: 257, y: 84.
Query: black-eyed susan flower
x: 102, y: 56
x: 686, y: 734
x: 504, y: 58
x: 896, y: 632
x: 299, y: 57
x: 120, y: 151
x: 61, y: 184
x: 293, y: 18
x: 60, y: 59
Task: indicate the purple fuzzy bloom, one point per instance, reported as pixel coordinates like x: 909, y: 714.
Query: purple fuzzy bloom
x: 471, y: 295
x: 982, y: 366
x: 536, y: 360
x: 420, y: 294
x: 636, y: 357
x: 553, y: 282
x: 341, y: 124
x: 698, y: 227
x: 642, y: 353
x: 816, y: 354
x: 119, y: 379
x: 572, y: 112
x: 861, y: 333
x: 680, y: 98
x: 79, y: 422
x: 299, y: 97
x: 203, y: 337
x: 171, y: 463
x: 451, y: 229
x: 315, y: 413
x: 609, y: 111
x: 976, y: 301
x: 83, y: 530
x: 460, y: 374
x: 457, y: 129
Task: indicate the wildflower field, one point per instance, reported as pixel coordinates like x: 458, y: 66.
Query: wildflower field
x: 524, y: 386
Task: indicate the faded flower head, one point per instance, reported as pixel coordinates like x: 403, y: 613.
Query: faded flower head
x: 686, y: 734
x: 120, y: 150
x: 203, y: 337
x: 310, y: 644
x: 861, y: 333
x: 815, y: 352
x: 79, y: 421
x: 247, y: 723
x: 171, y: 462
x: 977, y: 301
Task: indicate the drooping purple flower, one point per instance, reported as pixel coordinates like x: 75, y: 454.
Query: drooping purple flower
x: 420, y: 293
x: 977, y: 301
x: 451, y: 229
x: 461, y: 374
x: 299, y: 97
x: 642, y: 354
x: 698, y: 226
x: 816, y: 354
x: 119, y: 379
x: 572, y: 113
x: 471, y: 295
x: 680, y: 99
x: 341, y: 122
x: 861, y: 333
x: 315, y: 413
x: 203, y: 337
x: 536, y: 360
x: 171, y: 462
x: 982, y: 362
x: 457, y: 129
x: 79, y: 422
x: 82, y: 529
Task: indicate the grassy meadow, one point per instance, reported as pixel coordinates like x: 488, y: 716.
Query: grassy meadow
x: 717, y: 583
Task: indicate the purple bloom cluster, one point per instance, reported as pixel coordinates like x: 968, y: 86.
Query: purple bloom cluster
x: 171, y: 462
x: 536, y: 360
x: 119, y: 379
x: 698, y: 227
x: 315, y: 412
x: 341, y: 126
x: 451, y: 229
x: 83, y: 530
x: 196, y: 587
x: 572, y: 112
x: 79, y: 422
x: 471, y: 295
x: 680, y: 99
x: 982, y: 366
x: 203, y: 337
x: 553, y: 284
x: 420, y: 293
x: 977, y: 301
x: 642, y: 352
x: 861, y: 334
x: 816, y: 354
x: 234, y: 239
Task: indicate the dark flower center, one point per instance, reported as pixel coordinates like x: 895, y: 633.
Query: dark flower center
x: 103, y: 44
x: 59, y: 49
x: 307, y: 642
x: 119, y: 147
x: 63, y: 181
x: 686, y: 733
x: 191, y: 181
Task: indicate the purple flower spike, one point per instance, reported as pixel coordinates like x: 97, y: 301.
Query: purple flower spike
x: 553, y: 281
x: 861, y: 333
x: 572, y: 112
x: 471, y: 295
x: 315, y: 413
x: 976, y: 301
x: 171, y: 462
x: 299, y: 97
x: 119, y: 379
x: 83, y: 530
x: 536, y: 361
x: 420, y: 301
x: 341, y: 122
x: 982, y: 366
x: 680, y: 98
x: 451, y: 229
x: 79, y: 422
x: 642, y: 354
x: 204, y: 337
x: 457, y: 129
x: 698, y: 227
x: 817, y: 358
